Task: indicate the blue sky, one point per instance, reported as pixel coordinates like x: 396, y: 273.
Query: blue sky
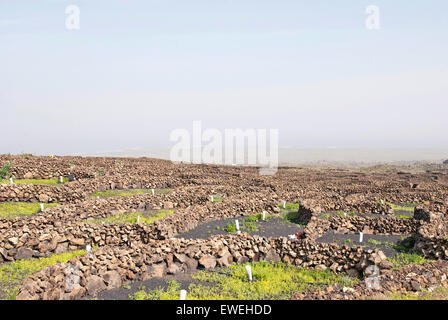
x: 138, y: 69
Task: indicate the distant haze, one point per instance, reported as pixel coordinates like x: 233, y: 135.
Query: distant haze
x: 288, y: 156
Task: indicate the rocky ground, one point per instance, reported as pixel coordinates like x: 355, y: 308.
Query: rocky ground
x: 188, y: 238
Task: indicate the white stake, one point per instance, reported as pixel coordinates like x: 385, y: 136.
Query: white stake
x: 152, y: 190
x: 360, y: 236
x: 211, y: 198
x: 284, y: 204
x: 61, y: 179
x: 249, y: 273
x: 42, y: 207
x: 183, y: 294
x: 11, y: 181
x: 345, y: 214
x: 138, y: 219
x: 264, y: 215
x: 88, y: 248
x: 237, y: 227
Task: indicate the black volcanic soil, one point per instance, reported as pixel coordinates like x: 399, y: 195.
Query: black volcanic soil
x: 273, y: 227
x: 382, y: 242
x: 151, y: 284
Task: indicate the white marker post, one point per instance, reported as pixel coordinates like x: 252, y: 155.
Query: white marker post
x: 138, y: 219
x: 183, y: 295
x: 152, y: 191
x: 345, y: 214
x: 211, y: 199
x: 61, y: 179
x: 88, y: 248
x: 361, y: 235
x: 11, y: 181
x: 264, y: 215
x: 249, y: 273
x: 284, y: 204
x: 42, y: 207
x: 237, y: 227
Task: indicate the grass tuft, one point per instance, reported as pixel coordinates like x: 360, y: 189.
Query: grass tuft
x: 11, y: 210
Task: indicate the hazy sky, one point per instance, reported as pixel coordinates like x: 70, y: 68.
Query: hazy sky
x: 135, y: 70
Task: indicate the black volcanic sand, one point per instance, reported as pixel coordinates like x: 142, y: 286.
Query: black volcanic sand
x: 184, y: 279
x: 387, y: 242
x: 273, y: 227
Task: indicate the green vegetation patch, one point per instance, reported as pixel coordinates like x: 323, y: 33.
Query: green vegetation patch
x: 126, y: 193
x: 34, y: 181
x: 10, y: 210
x: 218, y: 198
x: 247, y: 224
x: 290, y: 213
x: 289, y: 206
x: 439, y: 293
x: 406, y: 258
x: 129, y: 218
x: 4, y: 171
x: 271, y: 281
x: 12, y: 274
x: 407, y: 254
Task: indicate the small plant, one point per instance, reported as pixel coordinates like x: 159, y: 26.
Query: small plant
x: 230, y: 228
x: 374, y: 242
x: 100, y: 173
x: 4, y: 172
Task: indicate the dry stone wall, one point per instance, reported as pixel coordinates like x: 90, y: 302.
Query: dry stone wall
x: 110, y: 267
